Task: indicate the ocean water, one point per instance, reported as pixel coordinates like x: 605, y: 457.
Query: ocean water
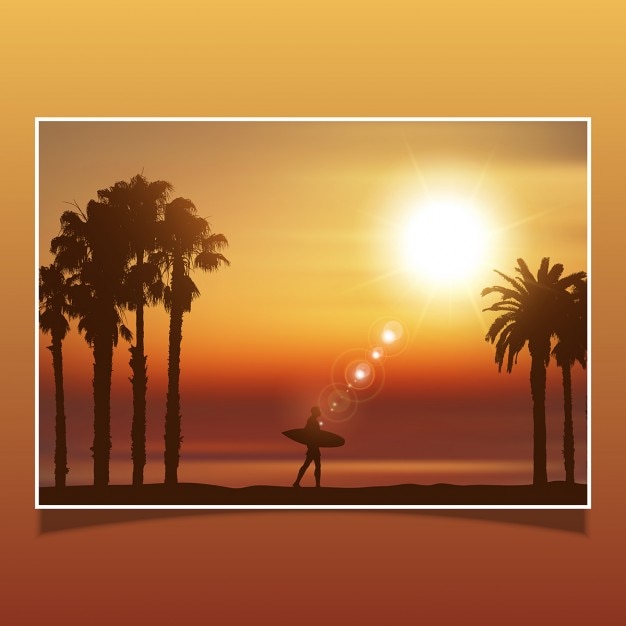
x: 335, y: 472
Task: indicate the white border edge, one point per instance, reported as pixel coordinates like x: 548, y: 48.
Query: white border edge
x: 587, y: 120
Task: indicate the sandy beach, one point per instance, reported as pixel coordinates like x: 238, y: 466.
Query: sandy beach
x: 187, y: 494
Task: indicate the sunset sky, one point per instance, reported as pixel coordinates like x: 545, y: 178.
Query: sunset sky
x: 335, y: 235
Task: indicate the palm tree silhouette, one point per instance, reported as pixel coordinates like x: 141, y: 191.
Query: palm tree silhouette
x: 571, y: 347
x: 94, y: 245
x: 531, y: 308
x: 144, y: 202
x: 185, y: 241
x: 54, y: 310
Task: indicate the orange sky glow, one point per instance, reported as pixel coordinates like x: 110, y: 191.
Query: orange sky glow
x: 318, y: 215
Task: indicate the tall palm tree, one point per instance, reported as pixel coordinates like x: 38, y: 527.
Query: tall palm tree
x: 54, y: 310
x: 530, y: 308
x: 94, y: 246
x: 144, y: 202
x: 571, y: 333
x: 185, y: 241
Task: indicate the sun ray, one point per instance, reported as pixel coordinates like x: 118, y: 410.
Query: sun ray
x: 424, y: 311
x: 525, y: 220
x: 476, y: 308
x: 479, y: 182
x: 371, y: 281
x: 418, y: 169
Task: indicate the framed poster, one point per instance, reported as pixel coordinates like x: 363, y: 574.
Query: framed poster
x: 313, y: 312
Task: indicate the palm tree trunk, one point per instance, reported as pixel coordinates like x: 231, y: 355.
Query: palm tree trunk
x: 60, y: 450
x: 139, y: 382
x: 568, y: 425
x: 172, y: 416
x: 102, y: 368
x: 538, y: 392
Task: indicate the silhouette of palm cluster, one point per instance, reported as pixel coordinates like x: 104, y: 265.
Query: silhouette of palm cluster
x: 131, y: 247
x: 538, y: 310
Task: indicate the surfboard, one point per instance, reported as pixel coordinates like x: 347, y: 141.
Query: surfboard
x: 321, y: 438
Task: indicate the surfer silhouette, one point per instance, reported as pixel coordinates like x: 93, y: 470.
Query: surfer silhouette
x: 312, y: 450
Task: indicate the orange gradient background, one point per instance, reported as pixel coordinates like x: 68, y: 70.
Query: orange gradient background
x: 286, y: 59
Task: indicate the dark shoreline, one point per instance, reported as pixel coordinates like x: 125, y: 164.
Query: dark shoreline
x: 196, y: 494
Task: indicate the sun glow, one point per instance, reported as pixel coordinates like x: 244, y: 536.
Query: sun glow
x: 445, y: 242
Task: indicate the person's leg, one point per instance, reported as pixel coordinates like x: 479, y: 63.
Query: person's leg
x: 318, y: 471
x: 303, y: 469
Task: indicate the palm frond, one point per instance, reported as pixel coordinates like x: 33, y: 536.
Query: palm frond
x: 210, y: 261
x: 126, y: 333
x: 180, y: 206
x: 577, y: 280
x: 497, y: 326
x: 502, y: 345
x: 517, y: 284
x: 554, y: 274
x: 155, y: 291
x: 522, y: 268
x: 542, y: 273
x: 214, y: 242
x: 74, y: 223
x: 186, y: 292
x: 87, y: 326
x: 504, y: 305
x: 70, y: 252
x: 53, y: 322
x: 505, y: 292
x: 167, y: 298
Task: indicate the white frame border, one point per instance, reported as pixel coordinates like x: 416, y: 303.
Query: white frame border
x: 587, y: 120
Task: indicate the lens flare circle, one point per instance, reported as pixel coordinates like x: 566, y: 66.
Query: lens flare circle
x: 376, y: 355
x: 359, y: 374
x: 338, y: 403
x: 389, y: 336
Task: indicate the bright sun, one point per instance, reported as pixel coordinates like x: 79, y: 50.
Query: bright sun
x: 445, y: 242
